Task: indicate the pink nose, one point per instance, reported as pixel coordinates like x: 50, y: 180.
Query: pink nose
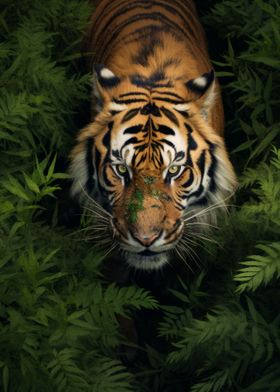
x: 144, y: 239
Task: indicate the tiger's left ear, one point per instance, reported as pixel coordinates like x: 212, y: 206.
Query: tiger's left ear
x: 103, y: 81
x: 105, y: 77
x: 203, y: 87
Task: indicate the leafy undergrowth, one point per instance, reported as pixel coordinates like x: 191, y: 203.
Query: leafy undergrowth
x: 216, y: 331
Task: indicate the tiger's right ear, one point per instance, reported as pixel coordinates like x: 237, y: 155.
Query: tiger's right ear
x: 103, y: 81
x: 202, y: 84
x: 203, y: 88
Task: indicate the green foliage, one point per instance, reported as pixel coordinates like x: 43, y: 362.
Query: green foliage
x: 259, y: 269
x: 111, y: 376
x: 135, y: 205
x: 254, y: 64
x: 216, y: 331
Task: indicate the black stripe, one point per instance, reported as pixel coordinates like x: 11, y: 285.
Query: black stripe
x: 168, y: 93
x: 130, y: 115
x: 116, y: 154
x: 179, y: 155
x: 169, y: 143
x: 134, y: 129
x: 177, y: 224
x: 201, y: 165
x: 168, y: 99
x: 171, y: 116
x: 192, y: 145
x: 150, y: 108
x: 133, y: 93
x: 213, y: 166
x: 124, y: 101
x: 165, y: 130
x: 147, y: 50
x: 114, y: 112
x: 144, y: 156
x: 130, y: 141
x: 148, y: 83
x: 105, y: 178
x: 190, y: 180
x: 106, y: 141
x: 184, y: 113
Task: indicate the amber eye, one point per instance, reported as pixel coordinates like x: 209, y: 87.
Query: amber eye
x: 173, y: 170
x: 121, y: 169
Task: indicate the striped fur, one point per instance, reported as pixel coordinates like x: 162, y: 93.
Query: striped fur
x: 156, y: 137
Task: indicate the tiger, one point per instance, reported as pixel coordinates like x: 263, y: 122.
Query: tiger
x: 152, y: 163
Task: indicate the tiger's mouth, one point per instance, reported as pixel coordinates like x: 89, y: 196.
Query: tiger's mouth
x: 147, y: 260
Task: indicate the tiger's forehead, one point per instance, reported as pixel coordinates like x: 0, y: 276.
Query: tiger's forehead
x: 147, y: 140
x: 147, y: 131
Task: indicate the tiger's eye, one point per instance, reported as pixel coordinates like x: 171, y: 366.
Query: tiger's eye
x: 121, y: 169
x: 173, y: 170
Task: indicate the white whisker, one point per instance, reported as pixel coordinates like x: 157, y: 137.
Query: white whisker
x: 182, y: 257
x: 104, y: 218
x: 211, y: 207
x: 95, y: 202
x: 191, y: 253
x: 202, y: 237
x: 195, y: 223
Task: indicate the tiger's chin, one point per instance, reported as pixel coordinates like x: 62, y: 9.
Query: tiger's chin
x: 147, y: 260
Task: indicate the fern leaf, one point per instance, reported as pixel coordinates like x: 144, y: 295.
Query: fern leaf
x: 259, y: 270
x: 110, y: 375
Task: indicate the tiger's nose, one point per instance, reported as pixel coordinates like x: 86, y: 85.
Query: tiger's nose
x: 146, y: 240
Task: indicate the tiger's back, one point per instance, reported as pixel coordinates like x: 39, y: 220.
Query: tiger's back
x: 154, y: 39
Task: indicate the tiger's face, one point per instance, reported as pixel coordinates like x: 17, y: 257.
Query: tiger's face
x: 152, y: 157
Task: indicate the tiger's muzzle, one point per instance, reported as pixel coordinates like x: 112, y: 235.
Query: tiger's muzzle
x: 147, y: 233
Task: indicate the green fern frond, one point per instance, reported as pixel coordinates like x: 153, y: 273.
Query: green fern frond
x: 259, y: 270
x: 109, y: 375
x: 222, y: 324
x: 219, y: 381
x: 65, y: 373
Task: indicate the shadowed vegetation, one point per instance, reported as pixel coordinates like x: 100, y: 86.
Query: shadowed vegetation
x: 215, y: 330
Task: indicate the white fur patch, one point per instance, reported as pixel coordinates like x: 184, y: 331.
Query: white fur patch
x: 210, y: 97
x: 225, y: 178
x: 147, y: 263
x: 182, y: 107
x: 117, y: 107
x: 200, y: 82
x: 106, y: 73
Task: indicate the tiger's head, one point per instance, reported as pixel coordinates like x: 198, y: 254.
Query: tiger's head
x: 152, y: 159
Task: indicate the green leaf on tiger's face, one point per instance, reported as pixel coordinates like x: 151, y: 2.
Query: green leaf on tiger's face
x: 135, y: 205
